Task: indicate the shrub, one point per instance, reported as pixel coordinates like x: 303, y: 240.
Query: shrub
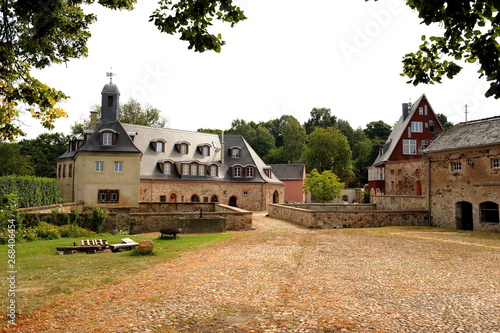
x: 31, y: 191
x: 47, y: 231
x: 74, y: 231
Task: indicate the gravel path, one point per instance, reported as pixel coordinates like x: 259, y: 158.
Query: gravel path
x: 283, y: 278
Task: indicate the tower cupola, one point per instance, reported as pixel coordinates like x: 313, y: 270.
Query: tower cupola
x: 110, y: 101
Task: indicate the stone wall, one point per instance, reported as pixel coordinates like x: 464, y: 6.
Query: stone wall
x: 348, y: 218
x: 151, y: 217
x: 399, y: 202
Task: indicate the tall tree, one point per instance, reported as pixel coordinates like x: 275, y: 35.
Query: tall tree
x: 12, y: 162
x: 324, y: 187
x: 294, y: 139
x: 260, y: 140
x: 378, y: 129
x: 470, y: 34
x: 328, y: 149
x: 43, y: 152
x: 320, y: 117
x: 444, y: 121
x: 133, y: 113
x: 40, y: 33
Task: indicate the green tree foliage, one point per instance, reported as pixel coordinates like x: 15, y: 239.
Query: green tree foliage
x: 378, y: 129
x: 44, y: 151
x: 324, y: 187
x: 290, y: 139
x: 257, y: 136
x: 444, y: 121
x: 12, y: 162
x: 37, y: 34
x: 133, y: 113
x: 209, y: 130
x: 328, y: 149
x: 470, y: 35
x: 320, y: 117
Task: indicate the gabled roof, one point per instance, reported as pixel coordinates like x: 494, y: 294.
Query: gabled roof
x: 289, y: 171
x: 397, y: 132
x: 477, y: 133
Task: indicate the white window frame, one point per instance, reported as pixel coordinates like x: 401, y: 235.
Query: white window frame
x: 213, y: 171
x: 107, y: 139
x: 235, y: 153
x: 201, y: 170
x: 194, y: 169
x: 420, y: 110
x: 205, y: 151
x: 409, y: 147
x: 495, y: 163
x: 249, y: 172
x: 456, y: 166
x: 184, y: 149
x: 417, y: 127
x: 159, y: 147
x: 185, y: 169
x: 237, y: 171
x: 118, y: 166
x: 99, y: 166
x: 167, y: 168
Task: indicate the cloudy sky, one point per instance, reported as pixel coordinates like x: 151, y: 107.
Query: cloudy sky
x: 285, y: 59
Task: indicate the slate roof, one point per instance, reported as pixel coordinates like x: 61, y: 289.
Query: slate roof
x: 288, y: 171
x: 123, y: 144
x: 150, y: 160
x: 477, y: 133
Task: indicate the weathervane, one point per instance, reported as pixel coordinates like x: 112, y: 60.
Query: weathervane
x: 110, y: 75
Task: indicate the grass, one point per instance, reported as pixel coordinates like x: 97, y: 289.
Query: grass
x: 43, y: 276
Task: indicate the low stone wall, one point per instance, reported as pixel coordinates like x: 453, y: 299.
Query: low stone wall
x: 62, y: 208
x: 400, y: 202
x: 344, y: 218
x: 151, y: 217
x: 334, y: 207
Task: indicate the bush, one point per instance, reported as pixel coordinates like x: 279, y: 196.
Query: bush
x: 74, y: 231
x: 31, y: 191
x: 47, y: 231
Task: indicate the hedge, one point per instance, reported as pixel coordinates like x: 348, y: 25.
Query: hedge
x: 31, y: 191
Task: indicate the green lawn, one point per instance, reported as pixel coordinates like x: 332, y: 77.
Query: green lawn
x: 43, y: 275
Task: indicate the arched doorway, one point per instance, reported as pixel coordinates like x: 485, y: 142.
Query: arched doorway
x: 214, y: 198
x: 195, y: 198
x: 233, y: 201
x: 173, y: 197
x: 463, y: 215
x: 276, y: 197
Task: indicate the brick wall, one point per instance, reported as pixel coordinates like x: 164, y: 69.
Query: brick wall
x: 399, y: 202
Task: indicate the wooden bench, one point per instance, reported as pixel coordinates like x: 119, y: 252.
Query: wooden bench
x: 171, y: 232
x: 127, y: 244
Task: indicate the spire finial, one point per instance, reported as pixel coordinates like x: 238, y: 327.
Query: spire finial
x: 110, y: 75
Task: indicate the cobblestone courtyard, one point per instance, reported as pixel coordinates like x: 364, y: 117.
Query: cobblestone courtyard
x: 282, y: 278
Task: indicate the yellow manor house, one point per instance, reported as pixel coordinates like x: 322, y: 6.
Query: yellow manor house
x: 115, y: 165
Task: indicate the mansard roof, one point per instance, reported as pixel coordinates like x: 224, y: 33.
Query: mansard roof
x: 123, y: 142
x: 472, y: 134
x: 173, y: 137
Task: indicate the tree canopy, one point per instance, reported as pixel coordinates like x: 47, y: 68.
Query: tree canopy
x: 324, y: 187
x: 37, y: 34
x: 44, y: 151
x: 471, y: 31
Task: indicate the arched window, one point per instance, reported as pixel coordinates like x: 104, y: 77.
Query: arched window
x: 195, y: 198
x: 214, y: 198
x: 489, y: 212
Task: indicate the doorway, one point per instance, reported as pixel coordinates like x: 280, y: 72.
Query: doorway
x: 464, y: 216
x: 233, y: 201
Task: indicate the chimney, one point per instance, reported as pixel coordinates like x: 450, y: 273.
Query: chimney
x: 222, y: 150
x: 405, y: 110
x: 93, y: 120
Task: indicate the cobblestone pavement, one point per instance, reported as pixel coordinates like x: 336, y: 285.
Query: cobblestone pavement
x: 283, y: 278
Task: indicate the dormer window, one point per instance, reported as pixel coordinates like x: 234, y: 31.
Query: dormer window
x: 214, y: 170
x: 204, y: 149
x: 250, y: 171
x: 268, y: 171
x: 236, y: 171
x: 166, y: 166
x: 235, y: 152
x: 107, y: 137
x: 182, y: 147
x: 158, y: 145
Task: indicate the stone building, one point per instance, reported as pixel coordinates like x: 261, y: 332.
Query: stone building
x: 400, y: 169
x: 117, y: 165
x: 465, y: 176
